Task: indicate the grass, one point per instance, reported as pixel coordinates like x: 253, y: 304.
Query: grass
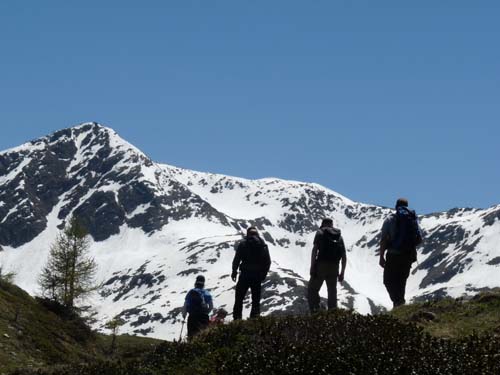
x: 455, y: 318
x: 438, y: 337
x: 32, y: 336
x: 338, y: 342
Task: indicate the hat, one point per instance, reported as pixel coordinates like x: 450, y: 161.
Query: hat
x: 402, y: 202
x: 326, y: 223
x: 200, y: 281
x: 252, y: 231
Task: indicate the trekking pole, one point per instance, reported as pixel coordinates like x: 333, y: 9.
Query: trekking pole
x: 182, y: 329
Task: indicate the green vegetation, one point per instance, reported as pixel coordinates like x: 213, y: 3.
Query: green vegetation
x: 36, y: 333
x: 69, y: 273
x: 113, y: 325
x: 442, y: 337
x: 455, y: 318
x: 7, y: 277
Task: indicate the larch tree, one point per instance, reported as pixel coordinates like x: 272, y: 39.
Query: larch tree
x: 70, y: 272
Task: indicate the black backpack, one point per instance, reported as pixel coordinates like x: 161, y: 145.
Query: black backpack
x: 196, y: 302
x: 255, y: 250
x: 331, y: 245
x: 407, y: 232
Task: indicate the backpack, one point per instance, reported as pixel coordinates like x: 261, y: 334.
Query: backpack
x: 330, y: 245
x: 407, y: 232
x: 254, y: 255
x: 196, y: 303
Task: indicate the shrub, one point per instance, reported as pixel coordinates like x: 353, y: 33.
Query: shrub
x: 332, y: 343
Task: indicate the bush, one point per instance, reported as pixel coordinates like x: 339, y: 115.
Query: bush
x: 332, y: 343
x: 6, y: 277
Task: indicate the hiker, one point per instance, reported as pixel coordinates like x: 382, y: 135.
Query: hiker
x: 253, y: 260
x: 401, y: 235
x: 198, y: 304
x: 218, y: 317
x: 328, y: 250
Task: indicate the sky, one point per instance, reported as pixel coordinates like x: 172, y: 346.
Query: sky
x: 373, y: 99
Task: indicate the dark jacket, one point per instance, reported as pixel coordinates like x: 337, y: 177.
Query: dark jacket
x: 252, y: 257
x: 320, y: 255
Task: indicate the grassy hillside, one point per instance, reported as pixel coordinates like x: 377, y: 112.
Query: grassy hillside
x: 455, y: 318
x: 34, y: 334
x: 340, y: 342
x: 442, y: 337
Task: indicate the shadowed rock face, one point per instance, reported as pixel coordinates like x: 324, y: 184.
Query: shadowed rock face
x: 83, y: 171
x: 492, y: 217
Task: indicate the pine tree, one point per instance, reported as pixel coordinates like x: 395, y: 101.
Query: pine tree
x: 69, y: 273
x: 6, y: 276
x: 113, y: 325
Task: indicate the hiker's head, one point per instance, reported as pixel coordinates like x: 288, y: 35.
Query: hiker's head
x: 200, y: 281
x: 252, y: 231
x: 222, y: 313
x: 327, y: 223
x: 402, y: 202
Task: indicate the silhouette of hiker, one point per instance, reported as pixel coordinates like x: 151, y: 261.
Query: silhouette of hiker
x: 253, y: 260
x: 326, y: 254
x: 401, y: 234
x: 198, y: 304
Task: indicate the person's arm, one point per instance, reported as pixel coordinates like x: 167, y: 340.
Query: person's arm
x: 236, y: 263
x: 383, y: 247
x: 382, y: 258
x: 184, y: 309
x: 420, y: 235
x: 384, y: 243
x: 314, y: 254
x: 267, y: 260
x: 343, y: 262
x: 210, y: 302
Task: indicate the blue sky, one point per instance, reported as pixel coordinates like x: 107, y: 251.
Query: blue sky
x: 375, y: 100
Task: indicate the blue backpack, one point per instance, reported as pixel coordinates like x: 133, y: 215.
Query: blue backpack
x: 196, y: 303
x: 408, y: 234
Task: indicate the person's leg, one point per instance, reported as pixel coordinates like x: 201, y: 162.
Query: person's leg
x: 241, y: 290
x: 256, y: 288
x: 192, y: 326
x: 330, y: 274
x: 204, y: 321
x: 313, y: 299
x: 391, y: 278
x: 404, y: 267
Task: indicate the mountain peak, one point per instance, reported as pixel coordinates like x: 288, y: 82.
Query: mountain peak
x: 62, y: 172
x: 88, y: 130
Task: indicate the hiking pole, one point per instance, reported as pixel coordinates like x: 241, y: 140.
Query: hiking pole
x: 182, y: 329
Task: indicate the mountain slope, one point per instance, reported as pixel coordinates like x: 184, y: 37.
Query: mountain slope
x: 154, y: 227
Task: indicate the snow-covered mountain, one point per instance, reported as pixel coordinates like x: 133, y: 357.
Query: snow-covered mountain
x: 154, y: 227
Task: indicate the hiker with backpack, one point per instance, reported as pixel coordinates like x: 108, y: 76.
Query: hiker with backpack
x: 198, y: 304
x: 253, y: 260
x: 401, y: 234
x: 328, y: 250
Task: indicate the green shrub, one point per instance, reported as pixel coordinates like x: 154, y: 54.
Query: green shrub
x: 331, y: 343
